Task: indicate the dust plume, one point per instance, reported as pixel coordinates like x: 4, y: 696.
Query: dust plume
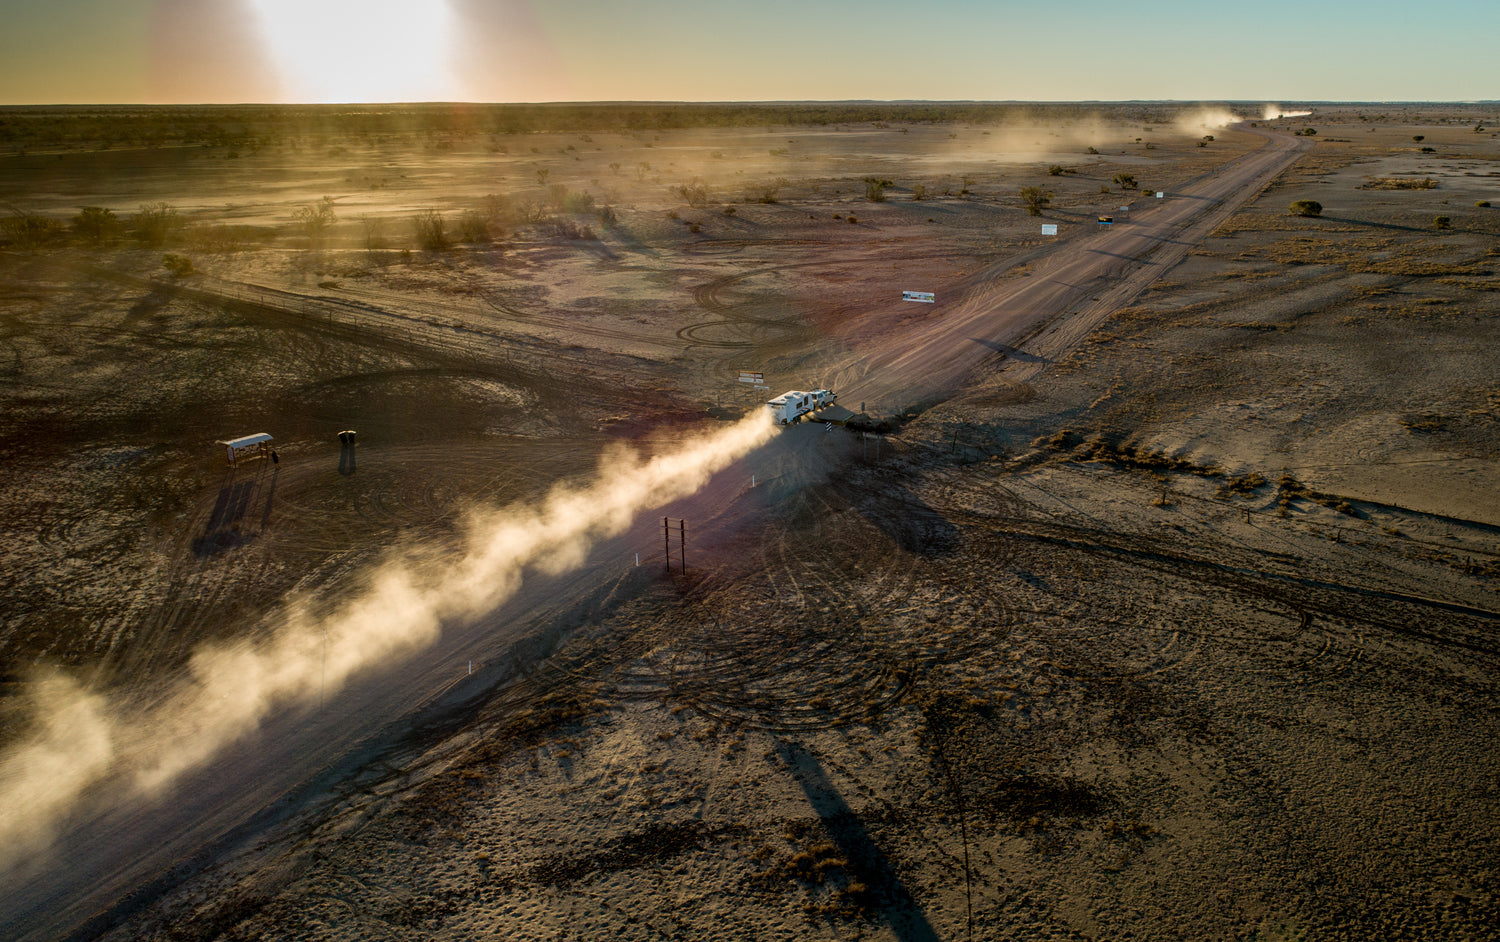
x: 81, y: 743
x: 1273, y: 111
x: 1207, y: 118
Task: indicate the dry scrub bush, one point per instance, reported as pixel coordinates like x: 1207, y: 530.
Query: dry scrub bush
x: 473, y: 228
x: 316, y: 219
x: 31, y: 230
x: 1035, y: 199
x: 1307, y: 208
x: 179, y: 265
x: 771, y: 192
x: 694, y: 193
x: 375, y: 232
x: 96, y: 225
x: 875, y: 189
x: 431, y: 230
x: 155, y: 223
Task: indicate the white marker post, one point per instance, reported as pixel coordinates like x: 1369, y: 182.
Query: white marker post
x: 926, y: 297
x: 1160, y: 194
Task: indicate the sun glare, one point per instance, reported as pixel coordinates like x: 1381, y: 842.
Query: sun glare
x: 366, y: 51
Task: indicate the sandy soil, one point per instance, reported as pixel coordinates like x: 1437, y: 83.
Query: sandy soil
x: 1172, y: 616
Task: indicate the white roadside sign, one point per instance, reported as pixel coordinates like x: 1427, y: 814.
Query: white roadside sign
x: 926, y: 297
x: 1160, y: 194
x: 1049, y: 228
x: 747, y: 376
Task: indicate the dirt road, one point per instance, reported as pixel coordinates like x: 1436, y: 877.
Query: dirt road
x: 1031, y: 319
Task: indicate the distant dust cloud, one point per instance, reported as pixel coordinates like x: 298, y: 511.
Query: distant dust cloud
x: 1273, y: 111
x: 80, y: 742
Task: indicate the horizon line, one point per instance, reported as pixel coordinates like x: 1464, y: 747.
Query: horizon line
x: 750, y: 101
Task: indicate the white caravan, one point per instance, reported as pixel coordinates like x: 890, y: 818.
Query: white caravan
x: 791, y: 406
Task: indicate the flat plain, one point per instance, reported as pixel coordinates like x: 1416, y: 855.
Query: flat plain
x: 1170, y: 612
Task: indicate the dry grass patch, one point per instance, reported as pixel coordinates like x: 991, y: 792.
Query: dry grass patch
x: 1398, y: 183
x: 1272, y: 222
x: 1364, y: 256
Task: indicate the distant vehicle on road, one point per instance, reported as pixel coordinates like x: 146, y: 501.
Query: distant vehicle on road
x: 791, y: 406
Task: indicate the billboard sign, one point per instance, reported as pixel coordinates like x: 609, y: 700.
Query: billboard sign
x: 926, y: 297
x: 747, y: 376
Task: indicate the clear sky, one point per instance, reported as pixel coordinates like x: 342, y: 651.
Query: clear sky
x: 190, y: 51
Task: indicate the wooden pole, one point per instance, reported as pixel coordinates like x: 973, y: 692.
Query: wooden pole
x: 666, y: 537
x: 682, y: 542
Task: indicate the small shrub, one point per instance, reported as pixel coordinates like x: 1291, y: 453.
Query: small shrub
x: 578, y: 202
x: 375, y: 232
x: 1035, y: 199
x: 568, y: 229
x: 1092, y: 150
x: 1483, y: 204
x: 1055, y: 170
x: 853, y: 221
x: 179, y: 265
x: 431, y: 230
x: 1429, y: 150
x: 694, y: 227
x: 155, y: 223
x: 1125, y: 181
x: 694, y: 193
x: 1418, y: 138
x: 919, y: 192
x: 1442, y: 222
x: 1307, y: 208
x: 316, y: 219
x: 472, y: 227
x: 875, y: 189
x: 771, y: 191
x: 96, y: 225
x: 729, y: 210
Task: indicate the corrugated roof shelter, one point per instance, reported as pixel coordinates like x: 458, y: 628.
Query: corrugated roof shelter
x: 253, y: 446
